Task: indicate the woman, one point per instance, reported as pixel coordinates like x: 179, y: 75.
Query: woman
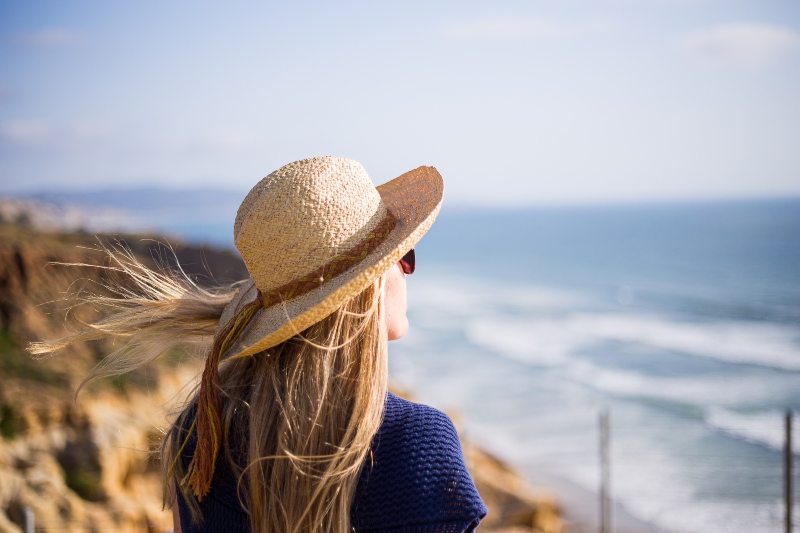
x: 292, y: 428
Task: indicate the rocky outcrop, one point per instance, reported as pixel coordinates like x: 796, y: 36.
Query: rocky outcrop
x: 514, y: 505
x: 85, y: 465
x: 91, y: 465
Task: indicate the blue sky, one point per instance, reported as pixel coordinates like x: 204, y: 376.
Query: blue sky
x: 537, y: 102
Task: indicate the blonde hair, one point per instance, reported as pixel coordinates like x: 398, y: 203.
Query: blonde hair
x: 298, y: 419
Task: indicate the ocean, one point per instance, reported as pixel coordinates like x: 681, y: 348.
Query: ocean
x: 681, y: 320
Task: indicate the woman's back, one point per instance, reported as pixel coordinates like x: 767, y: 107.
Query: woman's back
x: 414, y: 479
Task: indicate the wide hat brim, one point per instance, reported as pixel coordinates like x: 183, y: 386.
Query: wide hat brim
x: 413, y: 199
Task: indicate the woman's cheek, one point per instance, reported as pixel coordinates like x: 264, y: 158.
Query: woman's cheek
x: 395, y: 301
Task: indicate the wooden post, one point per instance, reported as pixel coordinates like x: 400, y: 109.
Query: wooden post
x: 788, y: 471
x: 605, y: 475
x: 30, y: 524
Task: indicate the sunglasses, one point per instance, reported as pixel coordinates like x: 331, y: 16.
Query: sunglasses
x: 408, y: 263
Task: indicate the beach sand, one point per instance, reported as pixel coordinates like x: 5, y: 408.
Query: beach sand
x: 581, y: 507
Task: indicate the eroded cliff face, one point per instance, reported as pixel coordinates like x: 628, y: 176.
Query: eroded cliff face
x: 84, y: 467
x: 90, y: 465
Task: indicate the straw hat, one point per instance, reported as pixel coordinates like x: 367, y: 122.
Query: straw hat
x: 312, y: 234
x: 317, y: 232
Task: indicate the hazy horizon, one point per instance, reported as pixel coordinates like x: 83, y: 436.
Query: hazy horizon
x: 112, y: 196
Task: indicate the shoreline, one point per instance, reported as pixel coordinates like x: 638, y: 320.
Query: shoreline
x: 580, y: 506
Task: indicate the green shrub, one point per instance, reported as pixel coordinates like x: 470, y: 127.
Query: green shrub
x: 7, y: 421
x: 85, y: 483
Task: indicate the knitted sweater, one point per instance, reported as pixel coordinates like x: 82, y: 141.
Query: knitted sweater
x: 414, y: 482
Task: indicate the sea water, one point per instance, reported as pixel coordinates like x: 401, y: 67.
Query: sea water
x: 683, y: 321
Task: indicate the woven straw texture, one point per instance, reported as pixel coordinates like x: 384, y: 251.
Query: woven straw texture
x: 302, y: 216
x: 298, y: 220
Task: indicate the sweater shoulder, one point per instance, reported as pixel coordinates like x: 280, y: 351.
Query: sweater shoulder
x: 424, y: 424
x: 415, y: 474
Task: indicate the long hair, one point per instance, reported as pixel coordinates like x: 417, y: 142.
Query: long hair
x: 298, y: 418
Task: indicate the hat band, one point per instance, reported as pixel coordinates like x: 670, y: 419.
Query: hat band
x: 208, y: 422
x: 335, y: 267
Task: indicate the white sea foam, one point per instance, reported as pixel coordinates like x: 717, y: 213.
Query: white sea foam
x: 541, y: 342
x: 553, y: 342
x: 741, y: 390
x: 737, y: 342
x: 766, y: 427
x: 545, y: 340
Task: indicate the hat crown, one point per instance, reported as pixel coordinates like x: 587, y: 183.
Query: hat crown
x: 302, y: 216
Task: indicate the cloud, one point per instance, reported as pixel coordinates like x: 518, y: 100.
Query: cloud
x: 741, y: 44
x: 28, y: 132
x: 49, y: 38
x: 520, y: 28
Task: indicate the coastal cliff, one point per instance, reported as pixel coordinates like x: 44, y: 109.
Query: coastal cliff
x: 90, y: 465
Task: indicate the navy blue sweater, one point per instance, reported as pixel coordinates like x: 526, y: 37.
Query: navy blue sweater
x: 415, y: 481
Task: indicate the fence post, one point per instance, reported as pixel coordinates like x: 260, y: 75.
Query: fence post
x: 788, y: 470
x: 605, y: 474
x: 30, y: 524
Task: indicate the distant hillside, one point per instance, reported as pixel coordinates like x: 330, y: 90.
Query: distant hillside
x: 196, y: 215
x: 146, y: 198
